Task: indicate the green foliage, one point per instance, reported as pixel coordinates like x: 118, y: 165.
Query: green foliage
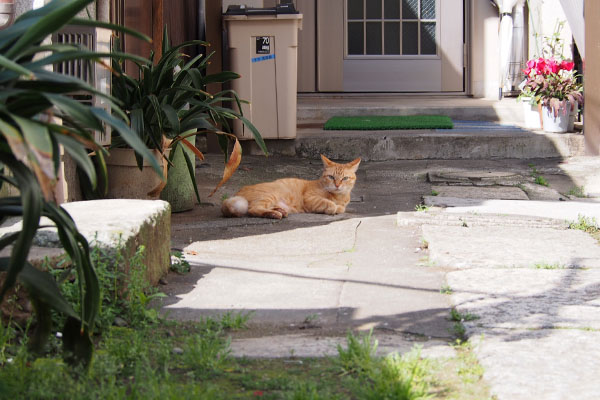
x: 577, y: 191
x: 549, y: 266
x: 446, y: 290
x: 179, y: 264
x: 168, y: 103
x: 359, y: 356
x: 540, y: 180
x: 586, y: 224
x: 32, y: 99
x: 421, y: 207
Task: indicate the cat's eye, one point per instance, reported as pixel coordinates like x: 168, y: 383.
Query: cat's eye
x: 345, y: 178
x: 331, y: 177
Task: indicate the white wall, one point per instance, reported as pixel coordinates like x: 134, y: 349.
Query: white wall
x: 484, y: 50
x: 543, y: 16
x: 22, y: 6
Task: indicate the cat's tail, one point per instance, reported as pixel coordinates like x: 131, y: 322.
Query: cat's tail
x: 236, y: 206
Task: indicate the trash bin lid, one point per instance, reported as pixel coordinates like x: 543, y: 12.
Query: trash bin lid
x: 279, y: 9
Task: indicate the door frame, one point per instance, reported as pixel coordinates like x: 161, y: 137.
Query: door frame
x: 330, y: 50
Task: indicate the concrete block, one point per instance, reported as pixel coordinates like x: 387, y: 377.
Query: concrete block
x: 112, y: 223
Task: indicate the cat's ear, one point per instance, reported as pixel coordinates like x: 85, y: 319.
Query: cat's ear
x: 326, y: 161
x: 353, y: 165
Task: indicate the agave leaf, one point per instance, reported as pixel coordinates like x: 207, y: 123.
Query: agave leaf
x: 234, y: 161
x: 51, y: 19
x: 257, y: 137
x: 43, y: 285
x: 112, y: 27
x: 172, y: 117
x: 39, y: 143
x: 31, y: 200
x: 77, y: 344
x: 15, y: 67
x: 221, y: 77
x: 191, y: 167
x: 194, y: 149
x: 15, y: 140
x: 78, y: 153
x: 76, y: 110
x: 130, y: 137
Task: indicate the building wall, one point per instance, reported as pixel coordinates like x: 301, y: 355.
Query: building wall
x: 543, y: 18
x: 592, y: 78
x: 483, y: 55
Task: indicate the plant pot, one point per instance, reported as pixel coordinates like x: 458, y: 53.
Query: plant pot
x: 125, y: 180
x: 572, y: 116
x: 179, y: 191
x: 531, y: 115
x: 558, y: 123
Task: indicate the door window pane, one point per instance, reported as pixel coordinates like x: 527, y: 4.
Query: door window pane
x: 391, y: 9
x: 427, y: 9
x: 392, y: 37
x: 410, y: 38
x: 373, y: 9
x: 428, y: 45
x: 355, y: 38
x: 355, y: 9
x: 410, y: 9
x: 374, y: 38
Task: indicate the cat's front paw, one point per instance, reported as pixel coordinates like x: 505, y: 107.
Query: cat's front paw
x: 340, y: 209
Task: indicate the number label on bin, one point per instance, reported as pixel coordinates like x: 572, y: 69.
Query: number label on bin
x: 263, y: 45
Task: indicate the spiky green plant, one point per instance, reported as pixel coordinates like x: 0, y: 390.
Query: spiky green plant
x: 32, y: 99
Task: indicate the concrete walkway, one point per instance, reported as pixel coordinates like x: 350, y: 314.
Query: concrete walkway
x: 532, y: 285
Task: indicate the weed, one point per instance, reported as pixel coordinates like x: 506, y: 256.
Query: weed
x: 421, y: 208
x: 179, y: 264
x: 235, y: 322
x: 577, y: 191
x: 224, y: 197
x: 359, y: 356
x: 456, y: 316
x: 434, y: 192
x: 206, y: 353
x: 549, y: 266
x: 397, y: 377
x: 586, y: 224
x: 424, y: 244
x: 540, y: 180
x: 446, y: 290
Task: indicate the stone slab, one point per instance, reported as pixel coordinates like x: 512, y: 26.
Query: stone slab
x: 480, y: 192
x: 510, y: 247
x: 527, y: 299
x: 565, y: 210
x: 349, y: 271
x: 308, y: 346
x: 439, y: 217
x: 112, y: 223
x: 549, y: 364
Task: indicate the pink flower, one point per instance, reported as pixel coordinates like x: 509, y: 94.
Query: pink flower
x: 567, y: 65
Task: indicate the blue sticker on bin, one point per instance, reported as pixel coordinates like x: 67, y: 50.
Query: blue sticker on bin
x: 263, y: 58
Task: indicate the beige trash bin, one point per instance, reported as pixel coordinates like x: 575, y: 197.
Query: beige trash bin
x: 263, y: 49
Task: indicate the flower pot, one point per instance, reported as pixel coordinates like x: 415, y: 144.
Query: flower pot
x: 531, y: 115
x: 179, y: 191
x: 558, y: 123
x: 572, y: 116
x: 125, y: 180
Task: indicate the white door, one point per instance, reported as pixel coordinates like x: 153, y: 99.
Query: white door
x: 396, y: 46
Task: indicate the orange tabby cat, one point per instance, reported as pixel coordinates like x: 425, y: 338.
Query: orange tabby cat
x: 327, y: 195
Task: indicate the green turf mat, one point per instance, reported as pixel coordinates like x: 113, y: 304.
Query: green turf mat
x: 381, y: 122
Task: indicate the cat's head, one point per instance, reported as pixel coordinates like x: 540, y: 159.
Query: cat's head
x: 338, y: 178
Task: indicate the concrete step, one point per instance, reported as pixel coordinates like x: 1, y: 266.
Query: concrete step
x: 469, y: 140
x: 484, y: 129
x: 318, y: 109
